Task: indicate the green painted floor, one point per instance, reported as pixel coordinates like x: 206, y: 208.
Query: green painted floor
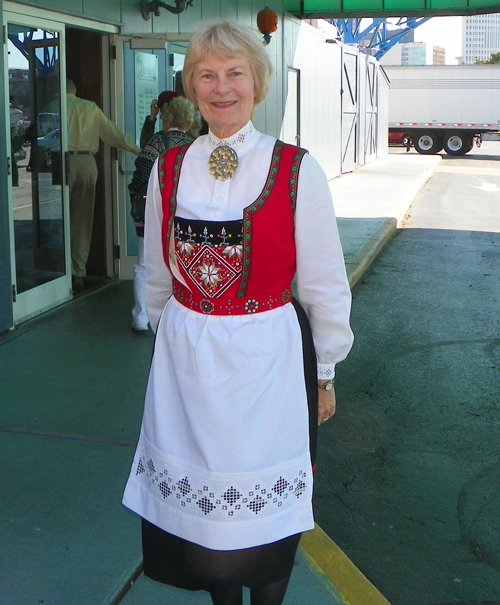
x: 72, y: 384
x: 71, y: 392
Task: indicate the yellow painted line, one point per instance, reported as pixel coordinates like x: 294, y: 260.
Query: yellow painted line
x: 327, y: 558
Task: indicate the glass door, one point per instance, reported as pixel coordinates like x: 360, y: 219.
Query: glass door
x: 41, y: 273
x: 138, y: 95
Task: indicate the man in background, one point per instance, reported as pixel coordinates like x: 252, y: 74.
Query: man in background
x: 86, y: 125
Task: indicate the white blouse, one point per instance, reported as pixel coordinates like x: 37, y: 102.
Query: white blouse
x: 322, y: 286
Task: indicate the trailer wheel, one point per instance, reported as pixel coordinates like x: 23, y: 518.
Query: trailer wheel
x: 427, y: 143
x: 457, y: 143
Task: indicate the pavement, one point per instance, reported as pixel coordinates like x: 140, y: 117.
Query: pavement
x: 71, y: 390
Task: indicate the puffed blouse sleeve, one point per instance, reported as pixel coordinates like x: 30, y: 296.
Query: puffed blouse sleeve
x: 159, y: 278
x: 322, y: 285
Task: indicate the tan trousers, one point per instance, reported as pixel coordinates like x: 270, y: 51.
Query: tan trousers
x: 82, y: 181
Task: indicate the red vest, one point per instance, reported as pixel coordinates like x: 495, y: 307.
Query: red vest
x: 268, y: 243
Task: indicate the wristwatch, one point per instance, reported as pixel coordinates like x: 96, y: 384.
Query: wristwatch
x: 327, y: 386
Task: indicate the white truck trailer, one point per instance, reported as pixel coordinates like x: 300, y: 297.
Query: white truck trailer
x: 445, y: 106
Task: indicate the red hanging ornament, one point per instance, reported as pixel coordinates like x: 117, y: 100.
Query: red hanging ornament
x: 267, y: 22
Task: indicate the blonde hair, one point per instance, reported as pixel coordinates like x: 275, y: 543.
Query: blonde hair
x: 178, y: 113
x: 227, y: 39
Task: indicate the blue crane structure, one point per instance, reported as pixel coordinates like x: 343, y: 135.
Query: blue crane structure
x: 375, y: 33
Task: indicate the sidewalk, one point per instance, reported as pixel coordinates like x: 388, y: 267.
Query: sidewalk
x: 72, y: 387
x: 371, y: 203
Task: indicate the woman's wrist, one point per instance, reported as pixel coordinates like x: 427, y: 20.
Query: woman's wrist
x: 326, y: 385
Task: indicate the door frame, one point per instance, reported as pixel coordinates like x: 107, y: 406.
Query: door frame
x: 52, y: 293
x: 290, y: 130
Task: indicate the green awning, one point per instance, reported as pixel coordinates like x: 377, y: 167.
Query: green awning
x: 347, y: 9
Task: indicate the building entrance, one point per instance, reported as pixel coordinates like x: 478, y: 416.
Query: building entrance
x: 40, y: 55
x: 84, y: 65
x: 40, y: 267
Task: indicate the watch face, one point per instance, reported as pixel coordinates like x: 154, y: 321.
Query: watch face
x: 329, y: 386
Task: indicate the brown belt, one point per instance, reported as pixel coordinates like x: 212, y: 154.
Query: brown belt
x: 80, y: 152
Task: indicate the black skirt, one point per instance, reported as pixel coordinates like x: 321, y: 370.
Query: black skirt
x: 177, y: 562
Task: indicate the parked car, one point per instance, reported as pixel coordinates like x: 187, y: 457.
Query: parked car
x: 51, y: 141
x: 47, y: 122
x: 20, y: 154
x: 400, y: 138
x: 47, y: 145
x: 16, y: 117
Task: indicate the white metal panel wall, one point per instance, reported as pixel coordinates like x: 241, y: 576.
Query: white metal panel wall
x: 360, y: 123
x: 305, y: 48
x: 383, y: 114
x: 363, y: 104
x: 350, y: 108
x: 368, y: 138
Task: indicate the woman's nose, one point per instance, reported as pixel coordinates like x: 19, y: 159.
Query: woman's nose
x: 221, y: 84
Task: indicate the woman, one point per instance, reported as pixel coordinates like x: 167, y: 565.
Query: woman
x: 177, y: 117
x: 223, y: 472
x: 148, y: 128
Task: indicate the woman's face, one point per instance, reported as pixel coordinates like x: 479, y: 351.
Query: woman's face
x: 225, y: 92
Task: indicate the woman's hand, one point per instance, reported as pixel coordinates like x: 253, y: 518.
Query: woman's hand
x: 326, y: 404
x: 154, y: 110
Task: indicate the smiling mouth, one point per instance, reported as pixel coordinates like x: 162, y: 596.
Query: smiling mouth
x: 223, y: 103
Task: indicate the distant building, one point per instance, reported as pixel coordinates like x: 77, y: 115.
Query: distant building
x: 414, y: 53
x: 392, y: 56
x: 438, y: 55
x: 480, y: 37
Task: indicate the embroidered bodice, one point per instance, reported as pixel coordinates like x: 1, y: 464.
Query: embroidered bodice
x: 252, y: 258
x: 209, y: 253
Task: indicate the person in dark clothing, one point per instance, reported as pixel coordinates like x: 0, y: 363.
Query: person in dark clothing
x: 177, y: 116
x: 149, y: 126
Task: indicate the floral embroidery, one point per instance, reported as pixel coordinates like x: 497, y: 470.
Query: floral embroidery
x: 231, y: 251
x: 209, y: 274
x: 215, y: 255
x: 206, y: 306
x: 210, y: 253
x: 251, y: 305
x: 185, y: 248
x: 179, y: 295
x: 222, y: 305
